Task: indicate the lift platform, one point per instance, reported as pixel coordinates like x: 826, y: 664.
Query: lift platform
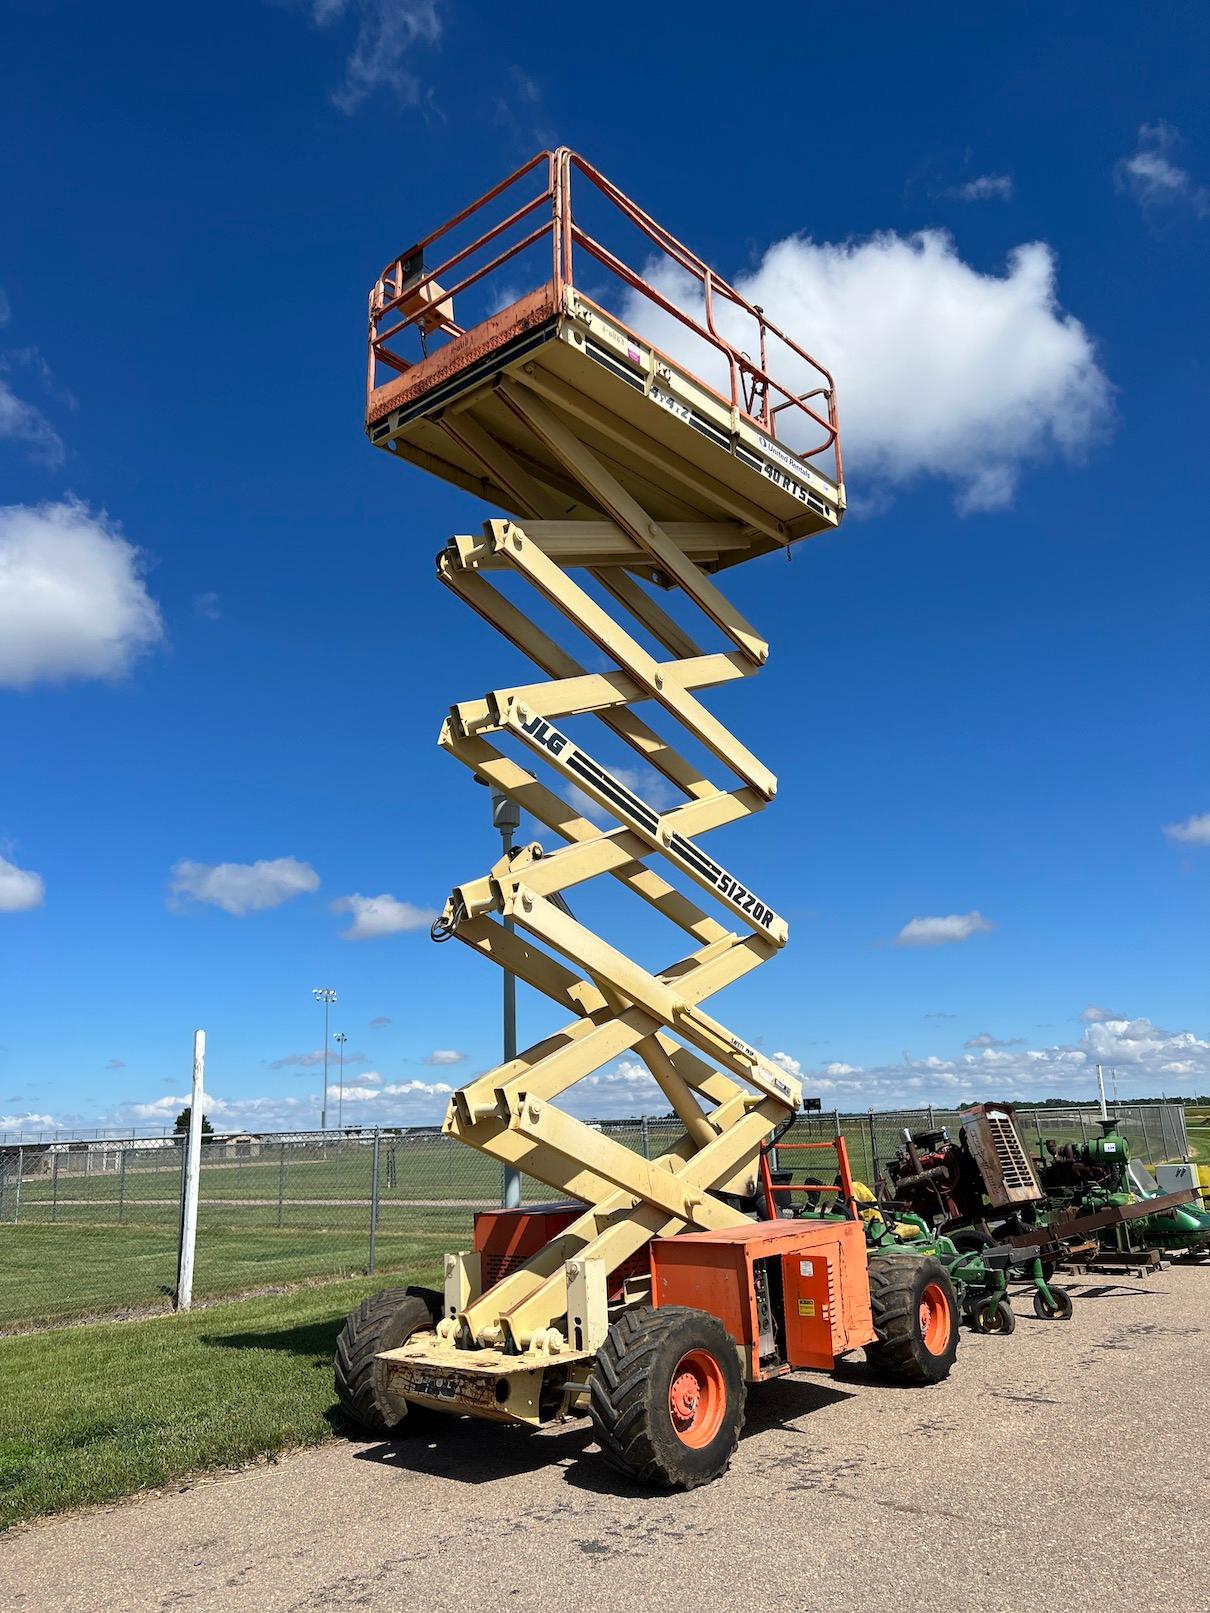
x: 645, y: 428
x: 734, y: 464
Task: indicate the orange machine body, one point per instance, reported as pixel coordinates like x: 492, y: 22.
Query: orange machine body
x: 791, y: 1293
x: 506, y: 1239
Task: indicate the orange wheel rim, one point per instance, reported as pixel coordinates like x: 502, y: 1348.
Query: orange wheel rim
x: 697, y: 1398
x: 935, y: 1318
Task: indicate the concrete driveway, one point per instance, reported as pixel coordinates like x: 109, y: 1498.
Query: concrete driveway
x: 1065, y: 1467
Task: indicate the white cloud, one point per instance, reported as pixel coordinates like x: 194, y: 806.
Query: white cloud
x: 1147, y: 1050
x: 986, y: 1039
x: 1156, y: 181
x: 624, y: 1091
x: 417, y: 1102
x: 20, y: 888
x: 313, y: 1060
x: 22, y: 421
x: 1149, y: 1061
x: 386, y: 32
x: 1195, y: 831
x: 939, y: 931
x: 445, y: 1055
x: 1093, y: 1015
x: 28, y: 1122
x: 73, y: 603
x: 941, y: 370
x: 375, y: 916
x: 240, y: 888
x: 791, y: 1066
x: 359, y: 1089
x: 644, y: 781
x: 982, y: 188
x: 206, y: 606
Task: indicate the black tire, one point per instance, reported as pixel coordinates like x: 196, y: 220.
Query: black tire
x: 631, y: 1391
x: 1062, y: 1299
x: 383, y: 1321
x: 899, y: 1284
x: 997, y: 1316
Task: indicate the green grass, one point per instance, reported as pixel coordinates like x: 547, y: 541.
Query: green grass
x: 73, y: 1269
x: 1197, y: 1124
x: 93, y: 1414
x: 437, y: 1169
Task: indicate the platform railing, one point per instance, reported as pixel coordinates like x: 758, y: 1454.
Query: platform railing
x: 413, y: 297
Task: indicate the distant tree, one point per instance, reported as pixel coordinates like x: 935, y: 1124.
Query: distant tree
x: 181, y: 1128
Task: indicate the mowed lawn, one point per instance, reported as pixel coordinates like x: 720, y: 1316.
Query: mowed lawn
x: 94, y: 1413
x: 1197, y: 1123
x: 442, y: 1169
x: 80, y: 1268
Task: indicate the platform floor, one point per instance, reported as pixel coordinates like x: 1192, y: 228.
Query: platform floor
x: 669, y: 440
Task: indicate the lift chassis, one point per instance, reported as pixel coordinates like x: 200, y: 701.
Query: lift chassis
x: 650, y: 1294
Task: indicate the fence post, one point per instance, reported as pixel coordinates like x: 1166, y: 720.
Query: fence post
x: 873, y: 1153
x: 54, y: 1187
x: 122, y: 1187
x: 1083, y: 1127
x: 281, y: 1180
x: 932, y: 1119
x: 374, y: 1198
x: 20, y: 1174
x: 1182, y: 1133
x: 1146, y: 1138
x: 190, y: 1170
x: 1164, y: 1112
x: 645, y: 1131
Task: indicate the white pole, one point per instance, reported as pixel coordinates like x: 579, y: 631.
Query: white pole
x: 1101, y: 1091
x: 193, y: 1161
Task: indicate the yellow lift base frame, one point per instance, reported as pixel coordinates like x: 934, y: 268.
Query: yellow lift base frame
x: 615, y: 478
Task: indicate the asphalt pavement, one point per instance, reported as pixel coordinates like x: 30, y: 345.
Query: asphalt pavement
x: 1064, y: 1467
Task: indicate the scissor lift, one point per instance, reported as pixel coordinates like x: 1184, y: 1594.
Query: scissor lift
x: 628, y: 469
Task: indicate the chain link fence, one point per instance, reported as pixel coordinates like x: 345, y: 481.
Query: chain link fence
x: 93, y: 1228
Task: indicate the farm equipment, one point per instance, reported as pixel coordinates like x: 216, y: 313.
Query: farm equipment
x: 979, y: 1267
x: 651, y: 1294
x: 982, y: 1187
x: 1095, y: 1182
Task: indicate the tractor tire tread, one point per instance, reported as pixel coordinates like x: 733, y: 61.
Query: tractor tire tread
x: 619, y: 1394
x: 893, y: 1300
x: 374, y: 1326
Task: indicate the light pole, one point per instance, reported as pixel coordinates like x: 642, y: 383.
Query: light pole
x: 506, y: 816
x: 326, y: 996
x: 340, y: 1039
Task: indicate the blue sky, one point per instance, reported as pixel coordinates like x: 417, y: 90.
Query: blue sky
x: 223, y: 659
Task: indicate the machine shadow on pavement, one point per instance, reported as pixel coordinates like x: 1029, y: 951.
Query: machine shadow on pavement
x: 469, y: 1454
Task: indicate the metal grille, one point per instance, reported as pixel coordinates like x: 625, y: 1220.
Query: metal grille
x: 1014, y: 1163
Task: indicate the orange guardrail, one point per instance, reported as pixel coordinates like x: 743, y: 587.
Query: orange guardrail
x: 413, y: 298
